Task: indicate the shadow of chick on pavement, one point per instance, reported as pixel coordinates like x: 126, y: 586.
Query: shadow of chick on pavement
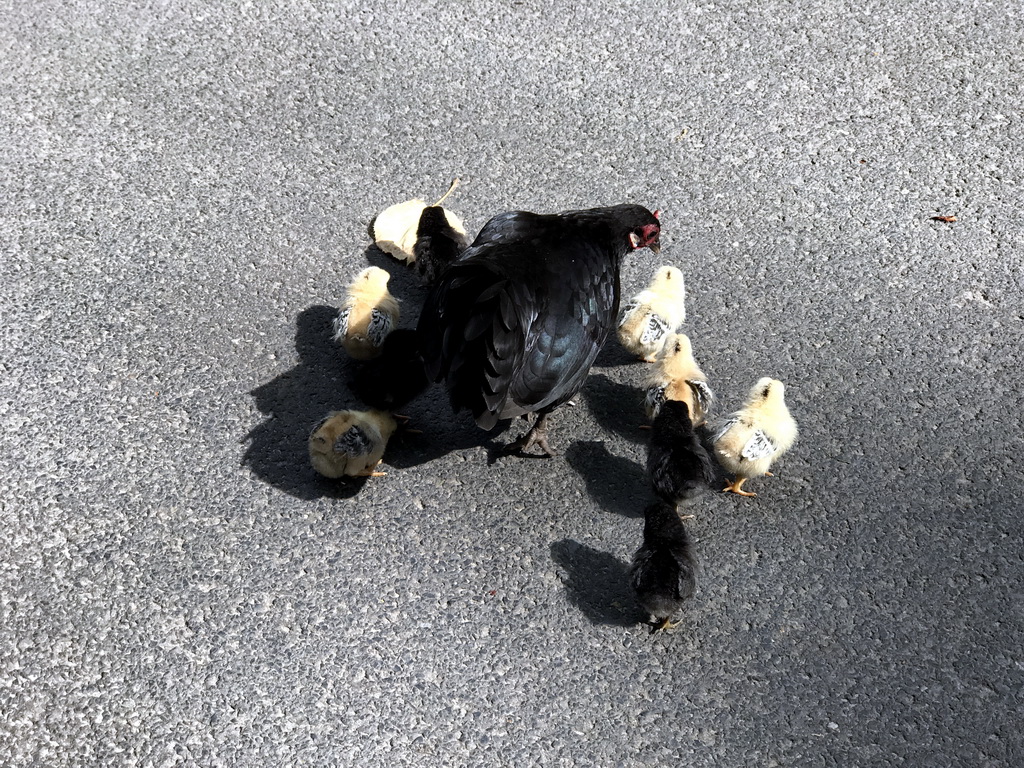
x: 404, y: 284
x: 615, y: 483
x: 294, y: 402
x: 618, y: 408
x: 597, y: 583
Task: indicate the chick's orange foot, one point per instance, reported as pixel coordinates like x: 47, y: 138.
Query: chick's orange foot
x: 736, y: 487
x: 373, y: 471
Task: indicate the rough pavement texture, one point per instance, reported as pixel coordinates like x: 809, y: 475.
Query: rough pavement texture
x: 186, y: 190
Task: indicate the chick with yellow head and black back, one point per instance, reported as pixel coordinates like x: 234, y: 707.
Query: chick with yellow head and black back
x: 679, y: 466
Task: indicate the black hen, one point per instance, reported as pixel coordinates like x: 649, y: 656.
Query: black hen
x: 515, y: 324
x: 662, y: 573
x: 678, y: 464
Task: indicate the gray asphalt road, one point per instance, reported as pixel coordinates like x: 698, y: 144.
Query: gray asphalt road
x: 186, y: 190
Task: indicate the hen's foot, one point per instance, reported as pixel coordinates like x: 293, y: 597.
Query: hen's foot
x: 538, y: 435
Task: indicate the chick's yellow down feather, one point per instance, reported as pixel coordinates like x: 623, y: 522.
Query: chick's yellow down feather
x: 368, y: 314
x: 350, y: 443
x: 395, y: 229
x: 756, y: 435
x: 676, y: 376
x: 648, y: 319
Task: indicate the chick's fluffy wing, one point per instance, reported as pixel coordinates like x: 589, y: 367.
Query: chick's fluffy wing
x: 758, y: 446
x: 353, y: 442
x: 379, y: 327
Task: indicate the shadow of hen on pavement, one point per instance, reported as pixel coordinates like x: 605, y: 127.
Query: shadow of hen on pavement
x: 617, y: 407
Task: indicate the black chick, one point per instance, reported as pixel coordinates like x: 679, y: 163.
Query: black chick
x: 396, y: 376
x: 438, y: 244
x: 662, y: 573
x: 514, y: 325
x: 678, y: 464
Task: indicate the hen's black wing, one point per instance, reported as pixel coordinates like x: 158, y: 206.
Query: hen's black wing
x: 514, y: 326
x: 471, y: 335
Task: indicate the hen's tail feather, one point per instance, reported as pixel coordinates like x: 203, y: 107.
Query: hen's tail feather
x: 472, y: 343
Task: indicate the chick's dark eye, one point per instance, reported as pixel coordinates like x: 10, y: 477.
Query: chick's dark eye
x: 765, y: 391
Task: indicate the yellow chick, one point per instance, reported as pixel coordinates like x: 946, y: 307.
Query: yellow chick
x: 657, y: 311
x: 756, y: 435
x: 676, y: 376
x: 396, y: 229
x: 350, y: 443
x: 367, y: 315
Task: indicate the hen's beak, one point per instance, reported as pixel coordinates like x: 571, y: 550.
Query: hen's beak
x: 636, y: 242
